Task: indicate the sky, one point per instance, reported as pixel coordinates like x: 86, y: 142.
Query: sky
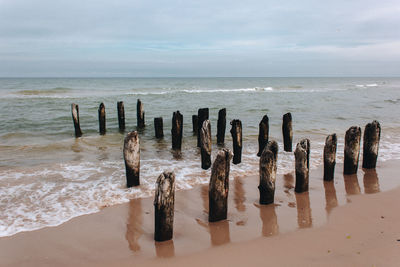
x: 177, y: 38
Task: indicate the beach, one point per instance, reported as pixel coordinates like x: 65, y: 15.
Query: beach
x: 305, y: 229
x: 65, y: 201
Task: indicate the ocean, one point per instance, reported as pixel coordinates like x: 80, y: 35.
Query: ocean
x: 47, y: 176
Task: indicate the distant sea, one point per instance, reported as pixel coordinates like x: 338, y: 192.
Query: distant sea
x: 47, y: 176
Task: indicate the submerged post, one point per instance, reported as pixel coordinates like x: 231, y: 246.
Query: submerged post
x: 164, y: 202
x: 140, y: 114
x: 158, y: 127
x: 287, y: 132
x: 205, y: 145
x: 236, y: 132
x: 75, y: 119
x: 302, y: 157
x: 102, y: 119
x: 221, y: 126
x: 121, y: 115
x: 268, y: 167
x: 132, y: 159
x: 352, y: 150
x: 177, y: 130
x: 263, y: 134
x: 330, y: 157
x: 194, y: 124
x: 372, y: 135
x: 219, y: 186
x: 201, y: 117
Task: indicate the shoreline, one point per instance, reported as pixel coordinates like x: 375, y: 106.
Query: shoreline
x: 123, y: 234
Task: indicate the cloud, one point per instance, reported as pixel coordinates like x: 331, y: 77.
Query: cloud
x: 136, y: 36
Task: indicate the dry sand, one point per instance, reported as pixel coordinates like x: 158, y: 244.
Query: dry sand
x: 300, y: 230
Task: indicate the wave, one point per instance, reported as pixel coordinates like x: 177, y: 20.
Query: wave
x: 199, y: 91
x: 52, y: 91
x: 367, y: 85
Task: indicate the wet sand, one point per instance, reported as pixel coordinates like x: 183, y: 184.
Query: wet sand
x: 299, y: 230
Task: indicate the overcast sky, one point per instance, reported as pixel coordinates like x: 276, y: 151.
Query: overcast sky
x: 132, y: 38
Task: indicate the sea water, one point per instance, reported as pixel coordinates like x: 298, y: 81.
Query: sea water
x: 47, y: 176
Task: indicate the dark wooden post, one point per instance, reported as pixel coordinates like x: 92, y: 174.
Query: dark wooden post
x: 352, y: 150
x: 121, y: 115
x: 372, y: 135
x: 205, y: 145
x: 102, y: 119
x: 164, y: 202
x: 219, y: 186
x: 330, y: 157
x: 201, y: 117
x: 75, y: 119
x: 302, y: 157
x: 194, y: 123
x: 158, y: 127
x: 287, y: 132
x: 177, y: 130
x: 268, y: 167
x: 140, y: 114
x: 263, y: 134
x: 132, y: 158
x: 221, y: 126
x: 236, y: 132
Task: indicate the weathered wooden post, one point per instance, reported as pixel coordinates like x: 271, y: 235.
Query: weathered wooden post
x: 205, y: 145
x: 268, y: 167
x: 194, y: 124
x: 158, y: 127
x: 121, y: 115
x: 287, y: 132
x: 164, y: 202
x: 219, y: 186
x: 221, y: 126
x: 302, y: 157
x: 372, y: 135
x: 202, y: 115
x: 177, y: 130
x: 132, y: 158
x: 352, y: 150
x: 236, y: 132
x: 330, y: 157
x: 263, y: 134
x: 75, y: 119
x: 102, y: 119
x: 140, y: 114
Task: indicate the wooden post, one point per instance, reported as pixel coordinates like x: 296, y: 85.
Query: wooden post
x: 219, y: 186
x: 194, y: 123
x: 164, y: 202
x: 263, y: 134
x: 221, y: 126
x: 102, y: 119
x: 302, y: 157
x: 75, y: 119
x: 268, y: 167
x: 205, y: 145
x: 352, y: 150
x: 177, y: 130
x: 287, y: 132
x: 132, y: 158
x: 158, y: 127
x: 121, y: 115
x: 236, y: 132
x: 372, y: 135
x: 201, y: 117
x: 330, y: 157
x: 140, y: 114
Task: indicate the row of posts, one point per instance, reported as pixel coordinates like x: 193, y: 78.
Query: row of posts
x: 219, y: 181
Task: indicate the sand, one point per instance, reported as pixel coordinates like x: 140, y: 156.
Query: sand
x: 299, y: 230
